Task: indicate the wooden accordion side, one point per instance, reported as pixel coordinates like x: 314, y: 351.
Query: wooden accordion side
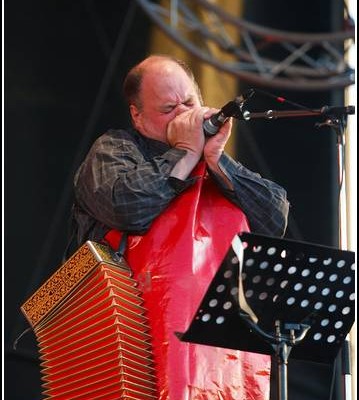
x: 92, y: 330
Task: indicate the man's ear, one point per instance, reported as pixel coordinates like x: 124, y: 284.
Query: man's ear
x: 135, y: 115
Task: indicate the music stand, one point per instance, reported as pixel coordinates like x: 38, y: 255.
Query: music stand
x: 281, y: 295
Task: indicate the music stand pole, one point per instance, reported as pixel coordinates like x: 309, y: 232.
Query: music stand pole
x: 282, y: 350
x: 282, y: 345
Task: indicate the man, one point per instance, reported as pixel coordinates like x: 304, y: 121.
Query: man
x: 181, y: 199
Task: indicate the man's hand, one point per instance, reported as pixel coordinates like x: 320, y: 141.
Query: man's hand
x: 185, y: 131
x: 214, y: 146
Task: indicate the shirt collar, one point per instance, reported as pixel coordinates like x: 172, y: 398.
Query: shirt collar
x: 153, y: 146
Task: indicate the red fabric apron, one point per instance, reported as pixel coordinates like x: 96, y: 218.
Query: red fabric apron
x: 174, y: 262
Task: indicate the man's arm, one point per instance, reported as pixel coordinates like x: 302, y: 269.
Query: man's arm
x: 120, y: 187
x: 264, y: 202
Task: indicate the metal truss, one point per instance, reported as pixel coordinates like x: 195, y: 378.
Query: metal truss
x: 259, y: 55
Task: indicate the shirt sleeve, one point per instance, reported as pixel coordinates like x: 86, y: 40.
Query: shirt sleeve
x: 122, y: 188
x: 264, y: 202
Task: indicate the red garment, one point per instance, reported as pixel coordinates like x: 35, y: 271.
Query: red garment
x: 175, y: 262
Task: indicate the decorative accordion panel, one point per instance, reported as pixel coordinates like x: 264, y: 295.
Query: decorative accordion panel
x: 92, y: 330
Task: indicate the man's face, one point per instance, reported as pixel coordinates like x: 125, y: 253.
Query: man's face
x: 166, y: 91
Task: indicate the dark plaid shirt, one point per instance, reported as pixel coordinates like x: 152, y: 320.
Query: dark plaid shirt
x: 124, y: 183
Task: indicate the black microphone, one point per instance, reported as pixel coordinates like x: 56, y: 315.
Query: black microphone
x: 337, y: 111
x: 232, y: 109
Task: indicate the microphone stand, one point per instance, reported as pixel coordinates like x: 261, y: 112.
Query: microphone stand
x: 333, y: 113
x: 339, y: 125
x: 336, y: 118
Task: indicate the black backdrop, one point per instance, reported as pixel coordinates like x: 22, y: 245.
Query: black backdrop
x: 62, y: 89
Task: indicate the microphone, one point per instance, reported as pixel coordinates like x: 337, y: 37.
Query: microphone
x: 232, y: 109
x: 337, y: 111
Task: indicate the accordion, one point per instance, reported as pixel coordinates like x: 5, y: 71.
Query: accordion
x: 92, y: 330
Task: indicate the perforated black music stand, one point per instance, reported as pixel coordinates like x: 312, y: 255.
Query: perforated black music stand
x: 278, y: 295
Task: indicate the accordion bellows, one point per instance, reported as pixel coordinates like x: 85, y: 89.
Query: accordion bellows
x: 92, y: 330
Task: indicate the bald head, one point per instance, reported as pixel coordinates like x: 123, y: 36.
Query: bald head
x: 154, y: 67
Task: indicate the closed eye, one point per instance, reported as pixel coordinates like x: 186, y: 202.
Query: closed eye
x: 168, y: 109
x: 189, y: 103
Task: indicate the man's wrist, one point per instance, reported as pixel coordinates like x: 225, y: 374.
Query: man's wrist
x: 185, y: 165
